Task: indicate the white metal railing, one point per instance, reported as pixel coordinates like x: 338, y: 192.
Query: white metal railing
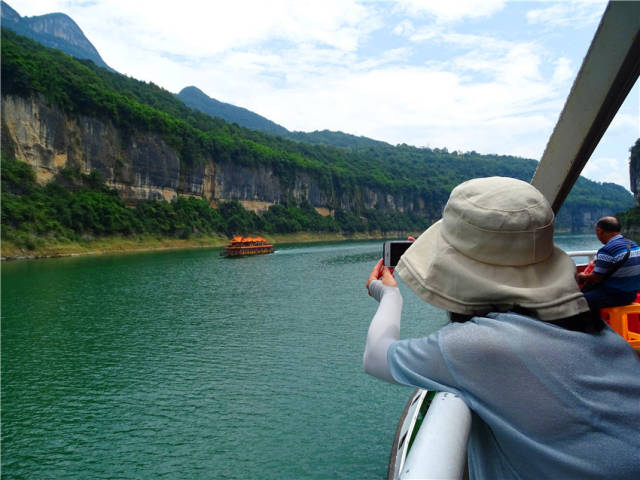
x: 590, y: 254
x: 404, y: 433
x: 440, y: 447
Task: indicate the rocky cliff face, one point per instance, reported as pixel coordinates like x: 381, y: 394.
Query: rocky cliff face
x: 634, y: 171
x: 579, y: 220
x: 143, y: 166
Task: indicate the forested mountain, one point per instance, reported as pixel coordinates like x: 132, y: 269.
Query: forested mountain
x: 195, y: 98
x: 198, y: 100
x: 55, y: 30
x: 336, y: 139
x: 84, y: 128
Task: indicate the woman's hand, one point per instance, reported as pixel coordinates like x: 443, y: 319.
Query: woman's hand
x: 385, y: 274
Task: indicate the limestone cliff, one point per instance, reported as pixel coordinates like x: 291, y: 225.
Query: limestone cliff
x: 634, y: 170
x: 142, y: 166
x: 631, y: 218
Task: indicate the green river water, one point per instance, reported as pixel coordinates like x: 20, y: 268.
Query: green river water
x: 187, y: 365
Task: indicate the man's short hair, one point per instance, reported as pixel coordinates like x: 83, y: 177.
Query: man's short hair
x: 609, y: 224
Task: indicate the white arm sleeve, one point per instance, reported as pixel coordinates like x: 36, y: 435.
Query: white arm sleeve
x: 383, y: 331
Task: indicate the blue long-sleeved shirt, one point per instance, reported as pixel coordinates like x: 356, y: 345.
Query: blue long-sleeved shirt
x: 548, y: 403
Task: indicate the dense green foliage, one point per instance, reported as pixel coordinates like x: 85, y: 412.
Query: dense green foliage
x: 630, y: 220
x: 336, y: 139
x: 195, y: 98
x: 76, y: 205
x: 198, y: 100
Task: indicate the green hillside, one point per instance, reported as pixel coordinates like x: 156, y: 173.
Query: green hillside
x: 80, y: 87
x: 195, y: 98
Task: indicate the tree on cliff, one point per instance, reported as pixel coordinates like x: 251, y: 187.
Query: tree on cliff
x: 630, y: 220
x: 634, y: 168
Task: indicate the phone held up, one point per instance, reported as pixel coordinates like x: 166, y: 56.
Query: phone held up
x: 392, y: 251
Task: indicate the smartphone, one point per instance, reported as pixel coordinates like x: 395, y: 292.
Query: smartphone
x: 392, y: 251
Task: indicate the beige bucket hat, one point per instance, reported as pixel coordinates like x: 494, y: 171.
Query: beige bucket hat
x: 493, y: 250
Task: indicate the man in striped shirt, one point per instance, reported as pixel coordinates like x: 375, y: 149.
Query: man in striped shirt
x: 615, y: 279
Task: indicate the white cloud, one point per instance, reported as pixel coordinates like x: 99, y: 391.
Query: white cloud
x: 196, y: 28
x: 608, y: 169
x: 420, y: 106
x: 624, y: 121
x: 431, y: 32
x: 405, y: 28
x: 451, y: 11
x: 563, y: 71
x: 28, y: 8
x: 205, y: 28
x: 574, y: 14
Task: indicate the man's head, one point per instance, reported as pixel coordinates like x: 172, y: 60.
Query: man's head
x: 606, y: 228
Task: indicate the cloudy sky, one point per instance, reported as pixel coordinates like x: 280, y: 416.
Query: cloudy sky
x: 490, y: 76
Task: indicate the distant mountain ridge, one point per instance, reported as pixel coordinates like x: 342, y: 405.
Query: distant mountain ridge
x: 195, y: 98
x: 54, y: 30
x: 337, y: 139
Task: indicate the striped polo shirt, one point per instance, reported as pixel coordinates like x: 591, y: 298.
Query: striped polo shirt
x: 627, y: 277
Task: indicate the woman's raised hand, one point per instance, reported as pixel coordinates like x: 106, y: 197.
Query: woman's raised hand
x: 385, y: 274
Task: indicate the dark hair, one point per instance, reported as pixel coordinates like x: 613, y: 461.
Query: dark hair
x: 459, y: 317
x: 609, y: 224
x: 585, y: 322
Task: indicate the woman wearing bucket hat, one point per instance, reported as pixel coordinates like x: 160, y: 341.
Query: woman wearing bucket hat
x: 554, y: 393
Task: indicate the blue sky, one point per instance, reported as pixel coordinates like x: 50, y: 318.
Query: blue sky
x: 490, y: 76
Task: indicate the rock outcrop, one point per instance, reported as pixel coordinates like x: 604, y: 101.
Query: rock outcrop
x: 634, y: 171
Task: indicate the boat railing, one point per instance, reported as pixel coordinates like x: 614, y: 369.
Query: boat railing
x: 589, y: 254
x: 439, y: 447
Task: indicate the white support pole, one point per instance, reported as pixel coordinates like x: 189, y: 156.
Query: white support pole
x: 440, y: 447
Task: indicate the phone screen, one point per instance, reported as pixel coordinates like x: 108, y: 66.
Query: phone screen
x: 393, y: 250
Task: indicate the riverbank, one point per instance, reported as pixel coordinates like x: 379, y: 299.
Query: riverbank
x: 115, y: 244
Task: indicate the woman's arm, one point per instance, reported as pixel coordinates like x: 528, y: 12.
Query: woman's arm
x: 385, y: 326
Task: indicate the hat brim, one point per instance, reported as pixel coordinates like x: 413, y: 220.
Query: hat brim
x: 445, y: 278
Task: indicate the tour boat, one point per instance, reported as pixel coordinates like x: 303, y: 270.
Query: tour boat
x: 432, y: 434
x: 244, y: 246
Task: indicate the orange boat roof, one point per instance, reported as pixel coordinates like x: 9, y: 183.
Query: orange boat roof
x: 240, y: 239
